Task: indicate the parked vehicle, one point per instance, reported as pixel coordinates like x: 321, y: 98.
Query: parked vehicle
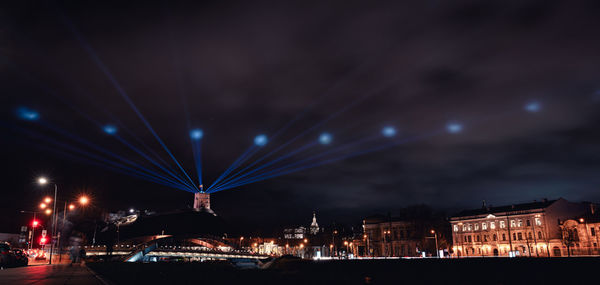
x: 7, y: 258
x: 21, y: 257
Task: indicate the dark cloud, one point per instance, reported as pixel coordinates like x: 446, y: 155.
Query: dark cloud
x: 251, y: 67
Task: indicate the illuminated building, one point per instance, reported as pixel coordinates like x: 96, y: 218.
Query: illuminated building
x: 388, y: 237
x: 314, y: 227
x: 580, y: 235
x: 528, y: 229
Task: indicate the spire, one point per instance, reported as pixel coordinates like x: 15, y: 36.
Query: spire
x: 314, y: 226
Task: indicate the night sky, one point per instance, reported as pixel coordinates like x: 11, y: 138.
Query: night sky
x: 246, y: 68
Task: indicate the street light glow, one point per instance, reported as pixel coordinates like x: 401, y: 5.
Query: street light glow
x: 42, y: 205
x: 48, y: 212
x: 83, y: 200
x: 71, y: 207
x: 42, y: 180
x: 47, y: 200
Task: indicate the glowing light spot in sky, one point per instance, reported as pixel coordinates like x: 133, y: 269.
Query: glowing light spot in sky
x: 325, y: 138
x: 533, y: 107
x: 196, y: 134
x: 260, y: 140
x: 388, y: 131
x: 596, y: 96
x: 110, y: 129
x: 454, y: 128
x: 27, y: 114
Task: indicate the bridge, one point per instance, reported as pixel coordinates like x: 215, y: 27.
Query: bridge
x: 167, y: 247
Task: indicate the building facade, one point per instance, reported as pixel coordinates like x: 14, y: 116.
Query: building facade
x: 529, y: 229
x: 387, y: 237
x: 580, y: 235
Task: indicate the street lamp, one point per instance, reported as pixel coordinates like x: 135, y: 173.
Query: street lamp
x: 83, y: 200
x: 437, y: 252
x: 44, y: 181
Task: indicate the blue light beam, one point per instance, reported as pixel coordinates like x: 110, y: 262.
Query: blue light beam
x: 120, y: 90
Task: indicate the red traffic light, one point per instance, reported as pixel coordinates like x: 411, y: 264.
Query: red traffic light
x: 35, y: 223
x: 43, y: 240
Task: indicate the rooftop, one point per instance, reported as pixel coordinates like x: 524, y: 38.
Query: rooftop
x: 507, y: 208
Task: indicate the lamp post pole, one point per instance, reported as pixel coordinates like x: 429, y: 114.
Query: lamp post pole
x: 53, y: 224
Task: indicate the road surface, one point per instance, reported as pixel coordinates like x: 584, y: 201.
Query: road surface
x: 49, y: 275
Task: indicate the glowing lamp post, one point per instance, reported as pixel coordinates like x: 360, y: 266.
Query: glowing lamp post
x: 437, y: 252
x: 44, y: 181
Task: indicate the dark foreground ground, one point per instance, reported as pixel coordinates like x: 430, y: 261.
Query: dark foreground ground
x: 415, y: 271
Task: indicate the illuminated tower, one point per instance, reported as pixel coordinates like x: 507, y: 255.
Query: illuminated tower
x: 314, y: 227
x: 201, y: 200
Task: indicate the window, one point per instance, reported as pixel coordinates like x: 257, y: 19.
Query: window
x: 519, y: 223
x: 520, y: 235
x: 528, y: 223
x: 464, y: 228
x: 502, y: 224
x: 538, y: 221
x: 485, y: 238
x: 593, y: 231
x: 476, y: 227
x: 513, y: 223
x: 470, y: 227
x: 477, y: 238
x: 540, y: 235
x: 514, y: 236
x: 465, y: 238
x: 456, y: 228
x: 484, y: 226
x: 492, y: 225
x: 530, y: 236
x: 494, y: 237
x: 503, y: 237
x: 469, y: 238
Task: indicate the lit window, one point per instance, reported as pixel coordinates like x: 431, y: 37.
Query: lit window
x: 538, y: 221
x: 513, y: 223
x: 456, y: 228
x: 492, y: 225
x: 519, y: 223
x: 502, y: 224
x: 484, y: 226
x: 464, y: 228
x: 476, y: 227
x: 470, y: 227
